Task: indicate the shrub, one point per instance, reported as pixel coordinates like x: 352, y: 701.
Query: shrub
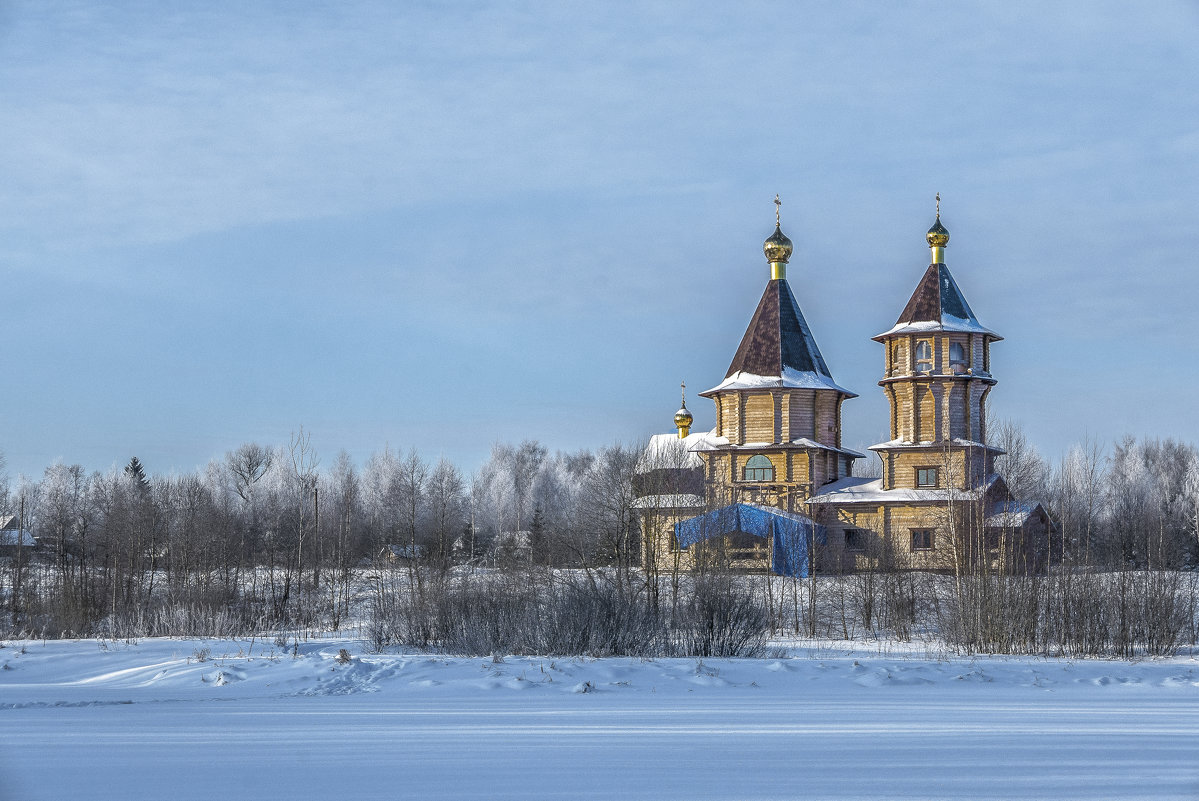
x: 589, y: 615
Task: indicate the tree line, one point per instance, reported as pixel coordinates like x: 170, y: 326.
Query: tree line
x: 272, y: 538
x: 268, y: 536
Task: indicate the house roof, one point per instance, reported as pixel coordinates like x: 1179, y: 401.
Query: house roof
x: 12, y: 538
x: 937, y: 305
x: 1010, y: 514
x: 680, y: 501
x: 778, y: 349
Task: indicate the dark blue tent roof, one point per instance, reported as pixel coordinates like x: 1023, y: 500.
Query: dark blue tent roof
x: 791, y: 533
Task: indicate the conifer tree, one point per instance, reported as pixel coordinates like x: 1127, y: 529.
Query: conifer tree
x: 136, y: 472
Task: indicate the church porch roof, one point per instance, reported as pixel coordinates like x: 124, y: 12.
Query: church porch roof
x: 669, y: 452
x: 711, y: 442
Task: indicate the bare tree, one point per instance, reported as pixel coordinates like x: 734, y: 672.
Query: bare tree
x: 1021, y: 466
x: 248, y: 464
x: 345, y: 494
x: 246, y: 467
x: 303, y: 462
x: 607, y: 502
x: 447, y: 500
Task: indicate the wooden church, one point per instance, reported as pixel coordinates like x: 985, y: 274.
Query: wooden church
x: 772, y: 488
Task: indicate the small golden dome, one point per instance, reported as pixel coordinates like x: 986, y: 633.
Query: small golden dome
x: 683, y: 418
x: 777, y: 247
x: 937, y: 236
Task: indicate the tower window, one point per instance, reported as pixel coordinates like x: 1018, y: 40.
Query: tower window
x: 957, y: 354
x: 922, y: 539
x: 926, y: 476
x: 924, y: 356
x: 758, y: 468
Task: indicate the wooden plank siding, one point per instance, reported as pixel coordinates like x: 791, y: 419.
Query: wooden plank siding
x: 759, y: 418
x: 926, y: 414
x: 826, y: 418
x: 802, y: 413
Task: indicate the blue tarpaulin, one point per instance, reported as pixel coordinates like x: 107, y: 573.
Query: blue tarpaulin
x: 791, y: 533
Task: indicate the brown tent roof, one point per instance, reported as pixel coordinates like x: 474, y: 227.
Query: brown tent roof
x: 938, y: 305
x: 778, y: 336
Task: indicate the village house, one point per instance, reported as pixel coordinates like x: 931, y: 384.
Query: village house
x: 13, y: 539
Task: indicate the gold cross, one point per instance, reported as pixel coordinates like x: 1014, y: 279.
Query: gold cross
x: 778, y: 205
x: 938, y: 205
x: 683, y: 386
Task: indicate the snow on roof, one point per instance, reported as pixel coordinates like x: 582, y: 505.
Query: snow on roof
x: 1010, y: 514
x: 711, y: 442
x: 12, y: 538
x: 708, y: 442
x: 790, y: 378
x: 855, y: 489
x: 811, y: 443
x: 669, y: 452
x: 683, y: 501
x: 946, y: 323
x: 958, y: 441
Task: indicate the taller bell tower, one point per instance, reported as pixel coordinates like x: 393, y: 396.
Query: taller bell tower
x: 936, y: 376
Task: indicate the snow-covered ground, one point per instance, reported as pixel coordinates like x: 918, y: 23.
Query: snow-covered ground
x: 103, y: 720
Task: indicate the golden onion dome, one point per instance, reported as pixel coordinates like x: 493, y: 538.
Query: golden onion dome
x: 777, y: 247
x: 937, y: 236
x: 683, y: 418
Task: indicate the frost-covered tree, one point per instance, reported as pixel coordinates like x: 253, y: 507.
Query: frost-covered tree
x: 447, y: 510
x: 1148, y: 514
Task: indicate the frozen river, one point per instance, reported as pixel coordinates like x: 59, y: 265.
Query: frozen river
x: 150, y: 722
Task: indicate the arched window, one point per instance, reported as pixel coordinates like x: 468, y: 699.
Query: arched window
x: 758, y: 468
x: 957, y: 354
x: 924, y: 356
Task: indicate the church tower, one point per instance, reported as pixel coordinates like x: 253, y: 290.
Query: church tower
x: 778, y: 410
x: 936, y: 376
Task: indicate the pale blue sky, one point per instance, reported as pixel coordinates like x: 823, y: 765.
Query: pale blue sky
x: 441, y: 225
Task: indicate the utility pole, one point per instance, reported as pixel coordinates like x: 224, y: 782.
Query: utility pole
x: 316, y: 530
x: 16, y: 584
